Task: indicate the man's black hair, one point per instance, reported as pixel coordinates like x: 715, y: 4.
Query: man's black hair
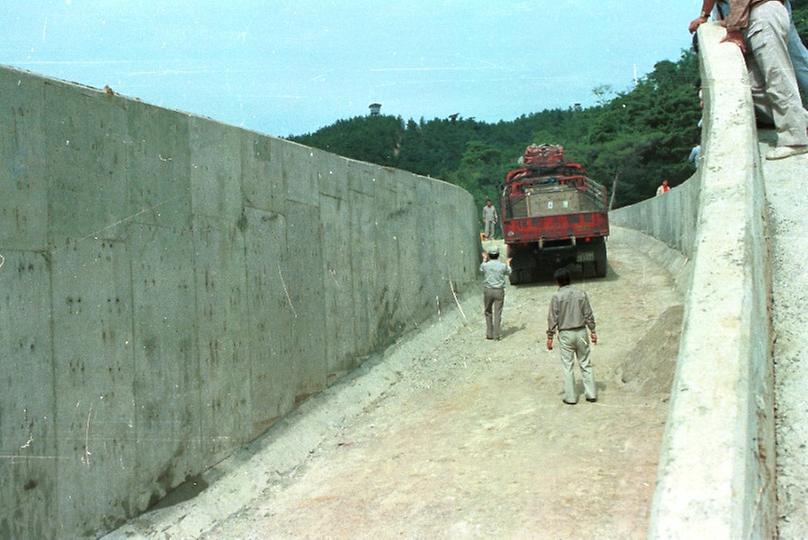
x: 562, y: 277
x: 493, y: 256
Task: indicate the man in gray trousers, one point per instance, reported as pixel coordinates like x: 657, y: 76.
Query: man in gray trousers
x: 490, y: 218
x: 570, y: 314
x: 495, y: 274
x: 762, y: 27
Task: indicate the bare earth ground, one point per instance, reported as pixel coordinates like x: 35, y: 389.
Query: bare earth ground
x: 788, y: 221
x: 474, y: 441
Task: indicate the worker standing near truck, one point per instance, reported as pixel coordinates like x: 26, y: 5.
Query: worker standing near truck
x: 490, y: 219
x: 495, y: 273
x: 570, y: 315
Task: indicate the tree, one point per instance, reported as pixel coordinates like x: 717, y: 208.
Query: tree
x: 602, y: 92
x: 799, y: 14
x: 481, y: 171
x: 645, y: 134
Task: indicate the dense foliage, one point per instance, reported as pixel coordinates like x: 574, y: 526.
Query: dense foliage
x: 639, y: 136
x: 799, y: 14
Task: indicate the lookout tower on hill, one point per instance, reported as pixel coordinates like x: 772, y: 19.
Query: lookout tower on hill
x: 375, y: 109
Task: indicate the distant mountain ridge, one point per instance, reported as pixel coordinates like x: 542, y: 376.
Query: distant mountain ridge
x: 640, y: 136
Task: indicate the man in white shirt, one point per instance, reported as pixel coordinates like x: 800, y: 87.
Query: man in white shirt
x: 495, y: 274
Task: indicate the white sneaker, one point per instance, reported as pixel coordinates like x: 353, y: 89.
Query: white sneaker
x: 781, y: 152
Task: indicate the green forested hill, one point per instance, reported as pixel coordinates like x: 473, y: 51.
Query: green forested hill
x: 640, y: 136
x: 800, y: 16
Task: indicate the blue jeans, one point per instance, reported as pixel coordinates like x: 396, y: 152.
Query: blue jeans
x: 799, y: 57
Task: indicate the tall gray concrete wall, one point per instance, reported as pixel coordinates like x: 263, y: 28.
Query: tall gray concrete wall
x: 670, y: 218
x: 171, y: 286
x: 716, y: 471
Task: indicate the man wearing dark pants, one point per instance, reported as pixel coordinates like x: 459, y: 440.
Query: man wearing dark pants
x: 494, y: 276
x: 570, y: 314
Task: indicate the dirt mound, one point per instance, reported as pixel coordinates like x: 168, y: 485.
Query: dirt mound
x: 651, y: 364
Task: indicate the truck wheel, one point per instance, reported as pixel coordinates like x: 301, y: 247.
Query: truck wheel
x: 522, y: 276
x: 601, y: 261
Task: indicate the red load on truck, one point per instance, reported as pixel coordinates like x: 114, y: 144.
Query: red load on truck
x: 553, y: 215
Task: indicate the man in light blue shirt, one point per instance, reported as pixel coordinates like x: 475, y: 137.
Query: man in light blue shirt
x: 695, y: 154
x: 495, y: 274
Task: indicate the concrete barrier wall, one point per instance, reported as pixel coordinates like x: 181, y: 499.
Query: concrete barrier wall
x: 670, y: 218
x: 171, y: 286
x: 716, y: 471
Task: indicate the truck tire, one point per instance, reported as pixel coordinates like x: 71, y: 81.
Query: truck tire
x: 522, y: 276
x: 601, y: 260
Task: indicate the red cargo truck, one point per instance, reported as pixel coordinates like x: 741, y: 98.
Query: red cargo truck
x: 553, y: 215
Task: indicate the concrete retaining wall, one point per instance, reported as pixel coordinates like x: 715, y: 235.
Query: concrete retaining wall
x: 671, y: 219
x: 716, y: 471
x: 172, y: 286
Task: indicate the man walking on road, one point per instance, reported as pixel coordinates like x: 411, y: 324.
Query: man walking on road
x: 570, y: 314
x: 489, y: 219
x: 494, y: 275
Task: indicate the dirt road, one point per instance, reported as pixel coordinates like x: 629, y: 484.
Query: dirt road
x: 475, y: 441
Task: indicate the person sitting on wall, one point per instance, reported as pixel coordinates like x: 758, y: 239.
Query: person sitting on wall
x: 797, y: 51
x: 760, y: 29
x: 663, y: 188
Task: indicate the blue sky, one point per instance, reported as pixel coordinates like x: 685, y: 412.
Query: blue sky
x: 291, y: 66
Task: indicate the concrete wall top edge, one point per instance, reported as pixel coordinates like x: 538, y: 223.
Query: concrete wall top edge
x: 86, y: 88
